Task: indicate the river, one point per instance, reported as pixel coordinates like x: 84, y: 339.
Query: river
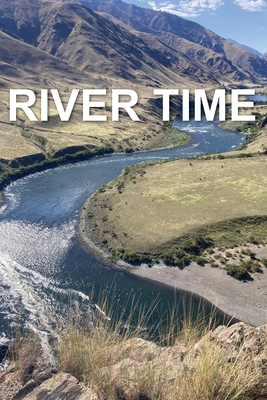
x: 41, y: 261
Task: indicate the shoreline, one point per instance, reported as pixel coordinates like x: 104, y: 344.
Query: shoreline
x: 243, y: 301
x: 246, y: 301
x: 14, y: 175
x: 208, y: 283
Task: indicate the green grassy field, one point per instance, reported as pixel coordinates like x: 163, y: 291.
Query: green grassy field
x: 182, y: 207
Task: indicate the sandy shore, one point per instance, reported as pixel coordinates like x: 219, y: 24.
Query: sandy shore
x: 246, y: 301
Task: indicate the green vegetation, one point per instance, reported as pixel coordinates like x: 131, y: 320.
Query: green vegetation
x: 16, y: 173
x: 242, y: 271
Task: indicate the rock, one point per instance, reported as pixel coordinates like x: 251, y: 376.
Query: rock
x: 27, y: 160
x: 9, y: 383
x: 139, y: 349
x: 262, y: 122
x: 239, y: 346
x: 61, y: 386
x: 38, y: 376
x: 245, y: 342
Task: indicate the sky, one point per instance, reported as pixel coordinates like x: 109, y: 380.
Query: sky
x: 244, y: 21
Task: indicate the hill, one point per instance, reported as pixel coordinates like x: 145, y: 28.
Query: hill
x: 164, y: 25
x: 94, y: 44
x: 253, y: 51
x: 150, y: 47
x: 24, y: 65
x: 46, y: 44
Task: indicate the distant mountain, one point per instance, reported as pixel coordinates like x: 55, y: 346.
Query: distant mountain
x: 120, y: 40
x: 264, y: 56
x: 253, y: 51
x: 189, y: 38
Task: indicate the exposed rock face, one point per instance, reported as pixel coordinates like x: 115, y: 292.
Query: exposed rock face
x: 237, y: 341
x: 262, y: 122
x: 45, y: 384
x: 27, y: 160
x: 60, y: 386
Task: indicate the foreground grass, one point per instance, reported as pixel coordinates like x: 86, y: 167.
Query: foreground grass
x: 119, y: 364
x: 115, y: 369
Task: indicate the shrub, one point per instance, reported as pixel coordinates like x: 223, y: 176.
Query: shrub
x: 168, y: 258
x: 135, y: 259
x: 237, y: 271
x: 199, y: 260
x: 183, y: 261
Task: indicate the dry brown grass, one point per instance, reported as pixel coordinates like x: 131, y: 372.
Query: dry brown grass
x: 150, y: 205
x: 122, y: 366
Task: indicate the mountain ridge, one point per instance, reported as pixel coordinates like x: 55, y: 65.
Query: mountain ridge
x: 253, y: 51
x: 148, y: 20
x: 150, y: 47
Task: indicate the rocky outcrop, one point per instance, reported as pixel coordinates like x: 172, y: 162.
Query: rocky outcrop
x: 69, y: 150
x: 240, y: 343
x: 45, y: 384
x: 59, y: 386
x: 27, y: 160
x: 262, y: 122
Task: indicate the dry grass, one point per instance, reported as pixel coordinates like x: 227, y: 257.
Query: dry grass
x: 185, y: 362
x: 26, y: 352
x: 120, y: 366
x: 55, y: 134
x: 150, y: 205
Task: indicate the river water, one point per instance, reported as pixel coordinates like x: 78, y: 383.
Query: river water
x: 42, y: 264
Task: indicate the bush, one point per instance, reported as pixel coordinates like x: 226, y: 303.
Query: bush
x: 183, y: 261
x: 237, y: 271
x: 200, y: 260
x: 134, y: 258
x: 168, y: 259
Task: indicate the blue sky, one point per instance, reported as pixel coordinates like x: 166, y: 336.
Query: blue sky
x: 245, y: 21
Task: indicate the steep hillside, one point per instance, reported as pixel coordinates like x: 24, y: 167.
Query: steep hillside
x: 93, y: 43
x: 150, y: 47
x: 147, y: 20
x: 20, y: 61
x: 22, y: 143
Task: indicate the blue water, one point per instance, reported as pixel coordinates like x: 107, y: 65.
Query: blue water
x: 258, y: 97
x: 42, y: 264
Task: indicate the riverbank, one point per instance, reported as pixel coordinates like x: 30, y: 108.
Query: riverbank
x: 110, y: 218
x: 243, y: 300
x: 66, y: 156
x: 16, y: 173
